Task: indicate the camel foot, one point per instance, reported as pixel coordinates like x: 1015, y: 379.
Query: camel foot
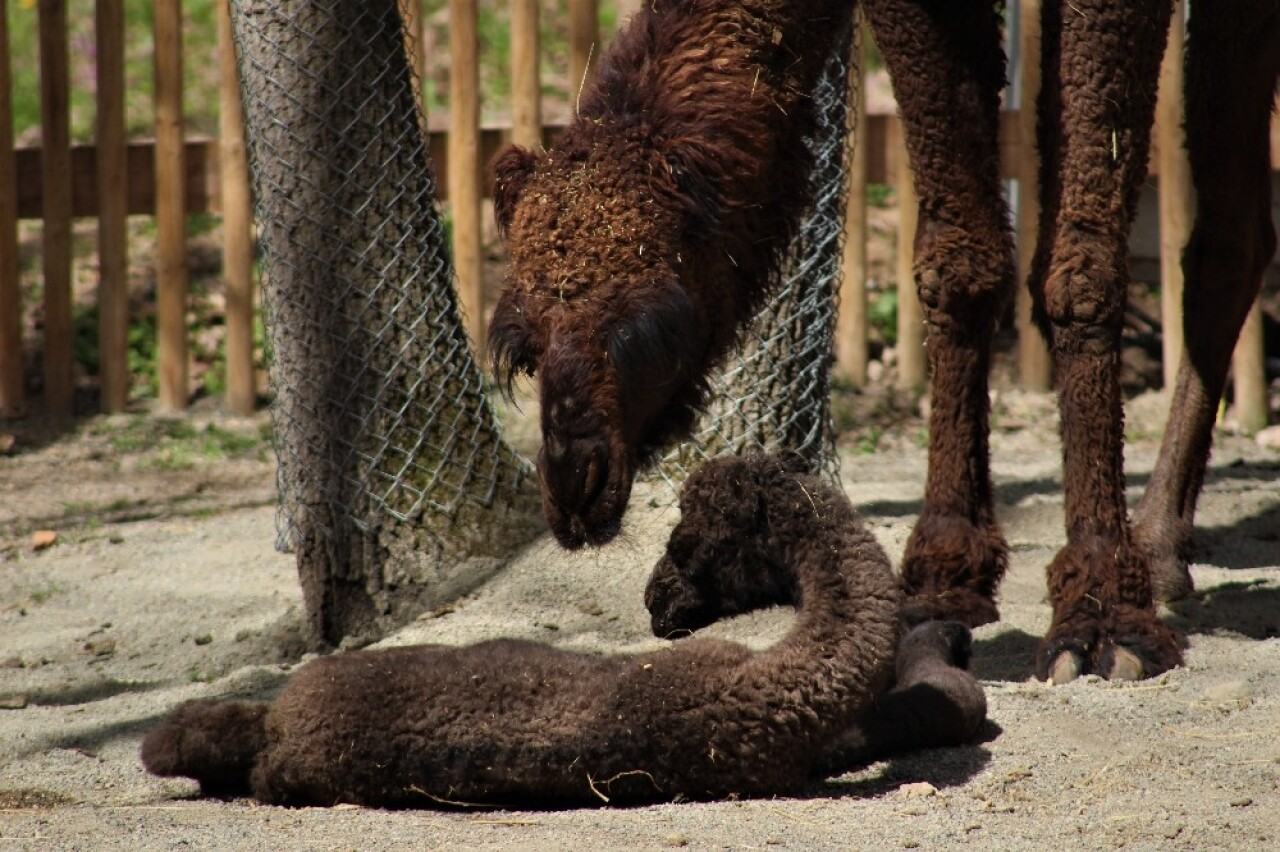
x: 951, y: 569
x: 1131, y: 644
x: 1066, y: 667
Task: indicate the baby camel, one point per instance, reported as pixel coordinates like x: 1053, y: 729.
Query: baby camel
x: 519, y: 722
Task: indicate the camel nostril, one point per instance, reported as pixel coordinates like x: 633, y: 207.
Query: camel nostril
x: 575, y: 471
x: 595, y: 475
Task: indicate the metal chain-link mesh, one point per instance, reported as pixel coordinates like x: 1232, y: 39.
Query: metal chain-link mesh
x: 774, y: 393
x: 414, y: 433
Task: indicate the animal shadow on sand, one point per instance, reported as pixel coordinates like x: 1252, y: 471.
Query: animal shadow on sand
x: 512, y: 722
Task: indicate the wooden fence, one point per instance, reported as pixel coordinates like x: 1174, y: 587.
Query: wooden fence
x: 173, y: 176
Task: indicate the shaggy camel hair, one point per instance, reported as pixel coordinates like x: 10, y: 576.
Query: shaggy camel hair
x: 649, y: 234
x: 630, y: 271
x: 1100, y: 64
x: 508, y: 721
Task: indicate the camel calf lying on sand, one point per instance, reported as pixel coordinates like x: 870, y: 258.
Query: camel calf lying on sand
x: 506, y: 722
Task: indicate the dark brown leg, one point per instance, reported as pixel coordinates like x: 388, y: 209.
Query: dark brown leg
x: 1101, y: 63
x: 948, y: 68
x: 1233, y: 61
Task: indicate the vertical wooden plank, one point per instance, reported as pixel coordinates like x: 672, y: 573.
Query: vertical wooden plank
x: 1176, y: 199
x: 237, y: 224
x: 526, y: 95
x: 851, y: 321
x: 171, y: 247
x: 113, y: 208
x: 912, y: 368
x: 56, y: 179
x: 12, y: 392
x: 1035, y: 368
x: 464, y: 164
x: 584, y: 47
x: 1249, y: 375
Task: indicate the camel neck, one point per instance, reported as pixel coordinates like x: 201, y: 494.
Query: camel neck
x: 840, y: 650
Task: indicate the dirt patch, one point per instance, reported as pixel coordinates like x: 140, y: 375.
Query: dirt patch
x: 163, y: 585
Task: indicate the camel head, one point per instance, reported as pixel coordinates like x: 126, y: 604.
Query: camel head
x: 722, y: 557
x: 595, y: 308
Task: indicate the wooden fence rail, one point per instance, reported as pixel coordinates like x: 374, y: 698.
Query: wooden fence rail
x: 174, y: 176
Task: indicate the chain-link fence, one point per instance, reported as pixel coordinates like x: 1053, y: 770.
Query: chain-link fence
x: 396, y: 488
x: 385, y: 436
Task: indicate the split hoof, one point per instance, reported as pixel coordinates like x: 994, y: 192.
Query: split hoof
x: 1065, y: 668
x: 1125, y: 665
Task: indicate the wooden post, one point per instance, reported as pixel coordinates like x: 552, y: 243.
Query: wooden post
x: 56, y: 177
x: 1035, y: 367
x: 584, y: 37
x: 851, y: 322
x: 1176, y: 195
x: 912, y: 371
x: 526, y: 95
x: 237, y: 224
x: 1249, y: 375
x: 171, y: 243
x: 12, y: 391
x: 464, y: 164
x: 113, y: 209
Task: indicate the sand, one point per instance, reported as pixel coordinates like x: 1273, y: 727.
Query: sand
x: 163, y: 585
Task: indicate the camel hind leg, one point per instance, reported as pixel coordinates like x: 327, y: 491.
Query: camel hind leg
x: 1100, y: 64
x: 1233, y: 60
x: 948, y: 70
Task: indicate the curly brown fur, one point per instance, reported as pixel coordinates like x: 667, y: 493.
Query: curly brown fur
x: 934, y: 703
x: 643, y: 241
x: 702, y: 579
x: 509, y: 721
x: 1099, y: 67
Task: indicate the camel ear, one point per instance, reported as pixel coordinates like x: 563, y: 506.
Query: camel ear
x: 511, y: 169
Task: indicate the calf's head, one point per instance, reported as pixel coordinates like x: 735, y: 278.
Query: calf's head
x: 723, y: 557
x: 595, y: 309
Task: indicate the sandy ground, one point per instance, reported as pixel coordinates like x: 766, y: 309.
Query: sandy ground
x: 163, y: 586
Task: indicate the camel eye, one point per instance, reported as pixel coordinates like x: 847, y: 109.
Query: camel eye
x: 657, y: 346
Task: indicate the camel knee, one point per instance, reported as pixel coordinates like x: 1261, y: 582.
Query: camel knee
x: 964, y: 277
x: 1080, y: 306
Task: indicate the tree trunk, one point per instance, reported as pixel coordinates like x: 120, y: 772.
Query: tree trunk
x: 397, y: 491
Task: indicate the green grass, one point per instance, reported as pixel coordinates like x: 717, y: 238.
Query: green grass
x: 868, y: 442
x: 177, y: 443
x: 883, y: 313
x: 879, y: 195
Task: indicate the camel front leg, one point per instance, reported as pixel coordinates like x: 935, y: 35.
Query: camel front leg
x: 1100, y: 65
x: 947, y: 66
x: 1233, y: 61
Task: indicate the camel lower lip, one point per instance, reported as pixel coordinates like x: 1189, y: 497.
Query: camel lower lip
x: 575, y: 532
